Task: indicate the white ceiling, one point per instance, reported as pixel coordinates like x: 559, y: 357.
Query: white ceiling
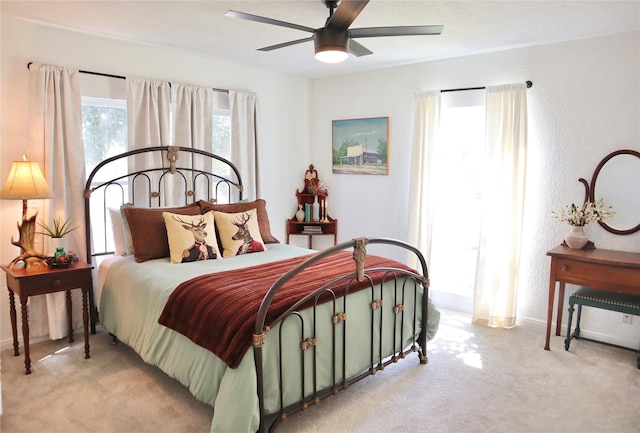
x: 470, y: 27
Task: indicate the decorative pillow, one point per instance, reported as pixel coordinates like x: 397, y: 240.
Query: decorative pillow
x: 239, y: 232
x: 148, y: 231
x: 260, y: 205
x: 118, y: 232
x: 128, y: 242
x: 191, y: 238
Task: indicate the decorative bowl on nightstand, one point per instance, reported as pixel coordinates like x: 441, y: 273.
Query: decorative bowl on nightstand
x: 55, y: 264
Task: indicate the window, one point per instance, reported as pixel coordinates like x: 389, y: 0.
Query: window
x: 222, y: 139
x: 457, y: 207
x: 104, y: 133
x: 104, y: 129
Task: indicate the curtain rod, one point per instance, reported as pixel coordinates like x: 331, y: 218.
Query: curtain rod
x: 528, y: 83
x: 120, y: 77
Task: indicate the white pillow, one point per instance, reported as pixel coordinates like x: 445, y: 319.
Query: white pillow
x: 191, y: 237
x: 118, y: 232
x: 128, y: 239
x: 244, y: 227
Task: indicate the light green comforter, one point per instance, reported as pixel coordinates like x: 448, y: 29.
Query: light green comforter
x: 134, y: 296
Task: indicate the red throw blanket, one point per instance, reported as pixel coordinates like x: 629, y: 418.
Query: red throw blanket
x: 218, y: 311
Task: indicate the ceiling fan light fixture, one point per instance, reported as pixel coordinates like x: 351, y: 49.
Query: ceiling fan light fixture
x: 336, y: 40
x: 331, y: 46
x: 331, y: 55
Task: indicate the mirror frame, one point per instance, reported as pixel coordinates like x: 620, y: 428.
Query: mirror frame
x: 591, y: 188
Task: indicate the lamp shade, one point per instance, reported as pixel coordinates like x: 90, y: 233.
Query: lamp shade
x: 25, y: 182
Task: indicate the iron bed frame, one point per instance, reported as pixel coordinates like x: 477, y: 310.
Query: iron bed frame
x: 200, y: 183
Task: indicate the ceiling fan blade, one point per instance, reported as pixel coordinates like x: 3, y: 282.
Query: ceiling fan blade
x: 265, y: 20
x: 286, y: 44
x: 357, y: 49
x: 370, y: 32
x: 346, y: 12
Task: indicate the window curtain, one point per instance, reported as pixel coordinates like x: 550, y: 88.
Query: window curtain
x: 425, y: 133
x: 244, y: 150
x: 55, y: 138
x: 192, y: 108
x: 148, y: 108
x: 503, y: 203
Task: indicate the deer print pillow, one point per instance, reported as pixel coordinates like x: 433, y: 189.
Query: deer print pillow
x: 191, y: 237
x: 239, y: 232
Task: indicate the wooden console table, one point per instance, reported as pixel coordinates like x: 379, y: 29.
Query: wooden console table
x: 614, y: 271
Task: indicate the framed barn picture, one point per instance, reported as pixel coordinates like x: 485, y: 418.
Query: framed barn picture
x: 360, y: 146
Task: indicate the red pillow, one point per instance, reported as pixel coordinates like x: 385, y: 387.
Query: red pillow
x: 148, y: 231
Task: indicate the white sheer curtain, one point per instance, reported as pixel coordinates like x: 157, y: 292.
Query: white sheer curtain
x: 499, y: 251
x: 148, y: 107
x: 244, y: 150
x: 425, y: 133
x: 55, y: 137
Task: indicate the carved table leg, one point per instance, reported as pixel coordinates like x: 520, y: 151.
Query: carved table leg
x: 14, y: 322
x: 69, y: 315
x: 560, y: 307
x: 25, y: 333
x: 85, y: 323
x: 552, y: 292
x: 552, y: 295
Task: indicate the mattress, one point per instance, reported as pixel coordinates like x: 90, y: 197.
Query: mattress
x: 133, y: 297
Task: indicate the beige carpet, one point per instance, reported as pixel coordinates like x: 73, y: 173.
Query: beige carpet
x: 477, y: 380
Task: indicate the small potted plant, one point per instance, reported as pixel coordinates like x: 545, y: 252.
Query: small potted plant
x: 57, y: 231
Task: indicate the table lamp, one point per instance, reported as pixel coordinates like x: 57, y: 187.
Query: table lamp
x: 26, y: 182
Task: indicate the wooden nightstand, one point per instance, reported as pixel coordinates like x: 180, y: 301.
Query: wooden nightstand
x: 41, y: 281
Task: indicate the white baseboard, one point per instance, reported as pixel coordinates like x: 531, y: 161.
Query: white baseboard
x: 464, y: 304
x: 585, y: 333
x: 7, y: 344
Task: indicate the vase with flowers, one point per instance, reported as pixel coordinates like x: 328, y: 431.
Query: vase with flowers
x: 578, y: 217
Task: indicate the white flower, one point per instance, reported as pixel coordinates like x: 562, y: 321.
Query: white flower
x: 589, y: 212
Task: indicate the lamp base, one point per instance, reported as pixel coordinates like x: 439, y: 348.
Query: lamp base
x: 28, y: 255
x: 30, y: 261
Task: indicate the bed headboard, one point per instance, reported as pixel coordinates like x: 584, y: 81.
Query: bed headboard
x: 154, y: 177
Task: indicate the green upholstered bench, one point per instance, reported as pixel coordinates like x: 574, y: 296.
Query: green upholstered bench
x: 620, y: 302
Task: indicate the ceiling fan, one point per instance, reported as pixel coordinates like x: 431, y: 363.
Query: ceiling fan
x: 334, y: 41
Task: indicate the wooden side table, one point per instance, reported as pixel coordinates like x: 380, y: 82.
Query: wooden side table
x: 41, y: 281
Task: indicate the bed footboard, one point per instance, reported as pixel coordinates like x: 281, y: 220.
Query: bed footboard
x: 326, y: 342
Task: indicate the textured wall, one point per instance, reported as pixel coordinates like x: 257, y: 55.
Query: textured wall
x: 584, y: 103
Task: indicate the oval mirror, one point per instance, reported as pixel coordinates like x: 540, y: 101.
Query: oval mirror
x: 616, y: 181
